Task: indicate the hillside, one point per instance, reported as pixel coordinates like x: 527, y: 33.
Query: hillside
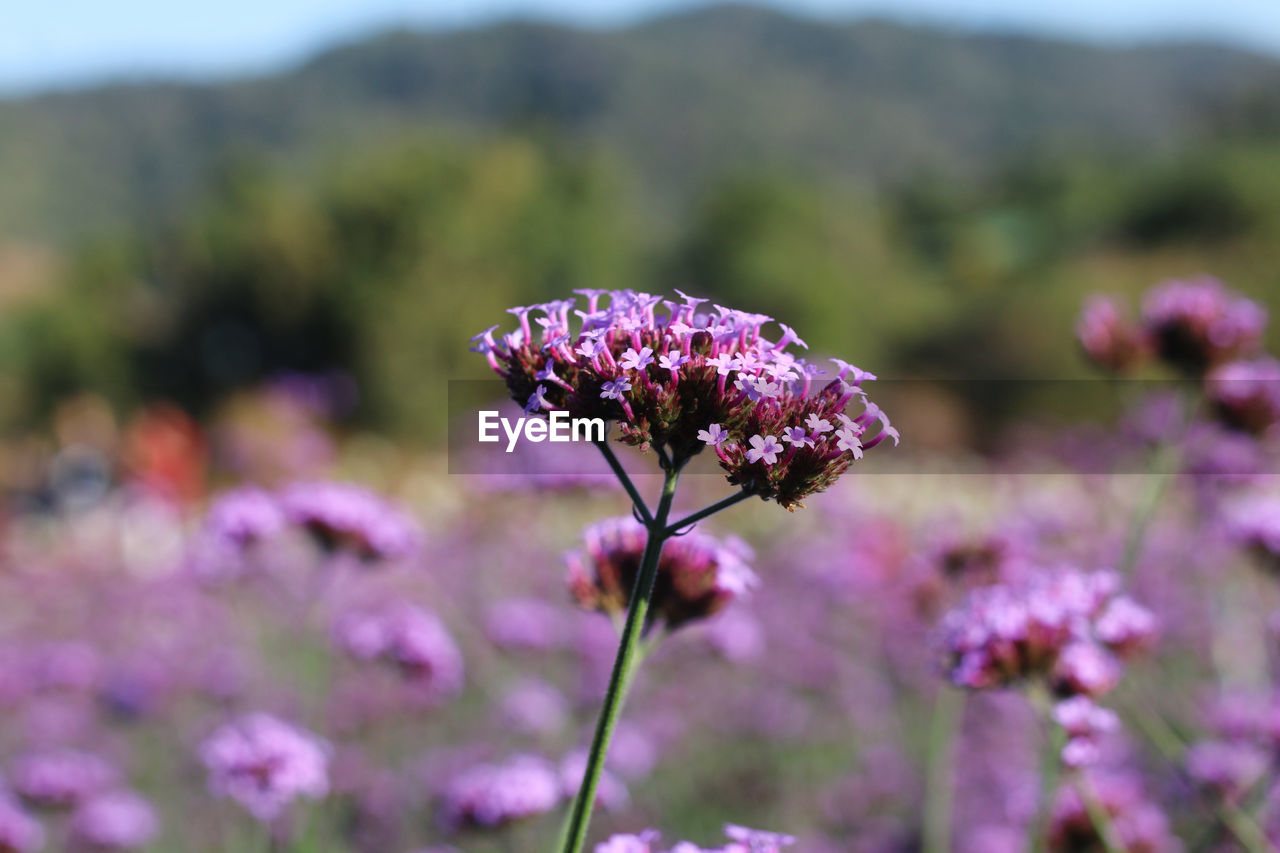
x: 677, y: 100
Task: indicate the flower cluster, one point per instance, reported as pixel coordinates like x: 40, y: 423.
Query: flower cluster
x: 741, y: 840
x: 698, y: 575
x: 490, y: 795
x: 61, y: 778
x: 1136, y: 823
x: 408, y: 638
x: 1245, y: 395
x: 1069, y: 629
x: 339, y: 517
x: 683, y: 379
x: 1253, y: 522
x: 115, y: 821
x: 265, y: 764
x: 346, y: 517
x: 19, y: 831
x: 1192, y: 326
x: 1084, y: 721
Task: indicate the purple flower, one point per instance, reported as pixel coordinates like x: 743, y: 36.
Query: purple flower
x: 755, y: 840
x: 408, y: 638
x: 525, y: 623
x: 60, y: 778
x: 346, y: 517
x: 1138, y: 825
x: 1254, y: 522
x: 770, y: 388
x: 534, y: 707
x: 19, y: 831
x: 673, y: 362
x: 120, y: 820
x: 818, y: 425
x: 1107, y: 338
x: 1197, y: 324
x: 538, y: 401
x: 1228, y: 769
x: 1245, y: 395
x: 1042, y: 627
x: 642, y: 843
x: 265, y: 764
x: 614, y: 390
x: 764, y: 448
x: 797, y: 437
x: 244, y: 516
x: 632, y: 360
x: 698, y: 575
x: 1083, y: 721
x: 713, y: 435
x: 490, y: 795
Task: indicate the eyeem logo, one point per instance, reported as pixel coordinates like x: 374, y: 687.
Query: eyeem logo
x: 558, y: 426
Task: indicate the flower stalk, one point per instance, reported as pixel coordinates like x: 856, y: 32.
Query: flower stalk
x: 623, y: 665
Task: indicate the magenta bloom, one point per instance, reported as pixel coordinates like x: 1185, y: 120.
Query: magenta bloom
x: 343, y: 517
x: 1245, y: 395
x: 698, y: 575
x: 717, y: 381
x: 1253, y: 522
x: 237, y: 522
x: 1139, y: 826
x: 493, y: 794
x: 741, y: 840
x: 117, y: 821
x: 1046, y: 627
x: 245, y: 516
x: 265, y: 764
x: 642, y: 843
x: 19, y: 831
x: 1084, y: 722
x: 408, y: 638
x: 1194, y: 325
x: 61, y: 778
x: 1109, y: 339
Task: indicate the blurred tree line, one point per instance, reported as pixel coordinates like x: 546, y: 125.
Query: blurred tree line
x: 384, y: 261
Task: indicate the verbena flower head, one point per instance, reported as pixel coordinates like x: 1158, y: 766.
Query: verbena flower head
x: 19, y: 831
x: 245, y: 516
x: 1245, y: 395
x: 1227, y: 769
x: 489, y: 795
x: 741, y: 840
x: 1069, y: 629
x: 1253, y: 522
x: 1138, y: 824
x: 409, y: 639
x: 60, y: 778
x: 1194, y: 325
x: 236, y: 524
x: 677, y: 377
x: 343, y: 517
x: 698, y: 575
x: 115, y: 821
x: 264, y: 764
x: 1084, y: 722
x: 1108, y: 338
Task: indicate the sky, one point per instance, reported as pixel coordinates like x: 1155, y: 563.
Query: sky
x: 78, y: 42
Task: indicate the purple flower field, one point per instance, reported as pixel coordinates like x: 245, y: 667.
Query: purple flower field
x: 359, y: 652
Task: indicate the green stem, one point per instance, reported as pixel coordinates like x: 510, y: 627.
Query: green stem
x: 1164, y: 462
x: 1098, y: 815
x: 1050, y: 767
x: 623, y: 478
x: 948, y: 708
x: 619, y: 681
x: 738, y: 497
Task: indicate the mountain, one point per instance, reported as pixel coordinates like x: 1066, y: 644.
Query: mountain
x: 678, y: 100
